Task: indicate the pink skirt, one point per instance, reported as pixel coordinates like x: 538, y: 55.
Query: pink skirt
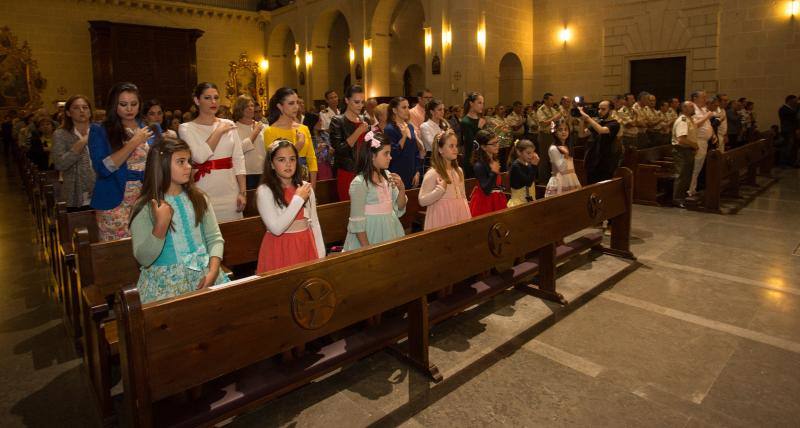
x: 446, y: 211
x: 286, y: 250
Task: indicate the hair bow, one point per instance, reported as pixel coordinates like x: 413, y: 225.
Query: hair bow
x: 553, y: 126
x: 369, y: 137
x: 274, y: 146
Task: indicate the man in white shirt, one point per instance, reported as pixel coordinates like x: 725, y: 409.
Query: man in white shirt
x: 418, y: 112
x: 684, y: 145
x: 721, y: 113
x: 332, y: 98
x: 700, y: 118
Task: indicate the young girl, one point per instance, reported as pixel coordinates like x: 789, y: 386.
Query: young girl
x: 563, y: 178
x: 289, y: 210
x: 118, y: 149
x: 522, y: 166
x: 217, y: 155
x: 488, y: 196
x: 443, y: 186
x: 175, y: 235
x: 377, y: 197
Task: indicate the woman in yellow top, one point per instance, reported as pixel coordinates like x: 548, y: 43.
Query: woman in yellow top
x: 282, y: 110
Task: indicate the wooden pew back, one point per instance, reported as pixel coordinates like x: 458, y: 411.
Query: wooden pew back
x: 723, y: 170
x: 172, y: 345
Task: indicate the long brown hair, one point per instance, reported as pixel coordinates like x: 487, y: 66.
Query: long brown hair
x: 67, y: 122
x: 113, y: 124
x: 270, y: 177
x: 438, y: 162
x: 158, y: 177
x: 366, y: 154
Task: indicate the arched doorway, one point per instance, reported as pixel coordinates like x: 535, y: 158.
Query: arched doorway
x: 330, y: 42
x: 282, y: 69
x: 510, y: 82
x: 398, y: 41
x: 413, y: 80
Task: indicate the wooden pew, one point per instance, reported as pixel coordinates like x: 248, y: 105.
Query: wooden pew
x: 654, y: 174
x: 325, y: 193
x: 726, y: 171
x: 66, y: 225
x: 170, y: 346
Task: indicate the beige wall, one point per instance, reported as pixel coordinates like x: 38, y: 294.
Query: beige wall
x: 58, y: 33
x: 742, y: 48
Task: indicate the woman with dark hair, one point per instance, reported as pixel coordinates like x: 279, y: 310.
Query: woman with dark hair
x: 283, y: 107
x: 347, y: 132
x: 405, y: 148
x: 471, y: 123
x: 153, y: 113
x: 41, y: 141
x: 118, y: 149
x: 216, y: 155
x: 70, y: 154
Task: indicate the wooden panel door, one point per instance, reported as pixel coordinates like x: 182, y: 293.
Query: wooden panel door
x: 663, y: 77
x: 161, y: 61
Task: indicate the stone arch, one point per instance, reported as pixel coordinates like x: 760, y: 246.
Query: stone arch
x: 330, y: 44
x: 396, y: 30
x: 510, y: 87
x: 413, y: 80
x: 280, y: 53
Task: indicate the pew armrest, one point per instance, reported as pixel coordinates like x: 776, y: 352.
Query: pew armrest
x: 95, y: 303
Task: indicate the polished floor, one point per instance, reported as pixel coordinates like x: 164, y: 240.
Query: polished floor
x: 704, y: 330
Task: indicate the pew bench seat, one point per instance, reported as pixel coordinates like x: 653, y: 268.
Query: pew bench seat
x: 258, y: 383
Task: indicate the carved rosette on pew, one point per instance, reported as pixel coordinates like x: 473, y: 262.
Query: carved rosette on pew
x: 313, y: 303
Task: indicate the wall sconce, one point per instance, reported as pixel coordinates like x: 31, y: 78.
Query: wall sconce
x: 297, y: 62
x: 367, y: 50
x: 264, y: 65
x: 793, y: 8
x: 447, y: 37
x: 352, y: 54
x: 309, y: 59
x: 428, y: 39
x: 482, y: 36
x: 564, y: 35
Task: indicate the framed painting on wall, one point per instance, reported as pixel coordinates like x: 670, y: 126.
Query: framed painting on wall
x: 21, y: 83
x: 244, y: 78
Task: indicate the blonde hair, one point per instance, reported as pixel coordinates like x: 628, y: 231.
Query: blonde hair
x: 242, y: 101
x: 383, y: 109
x: 438, y: 162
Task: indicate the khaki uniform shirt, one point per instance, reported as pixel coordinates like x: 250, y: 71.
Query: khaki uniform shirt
x: 663, y: 126
x: 624, y: 117
x: 652, y: 119
x: 544, y: 115
x: 515, y: 124
x: 533, y: 124
x: 640, y: 117
x: 684, y: 126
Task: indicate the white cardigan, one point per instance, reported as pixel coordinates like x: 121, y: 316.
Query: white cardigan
x: 278, y: 219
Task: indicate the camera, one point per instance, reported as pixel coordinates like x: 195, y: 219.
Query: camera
x: 574, y: 112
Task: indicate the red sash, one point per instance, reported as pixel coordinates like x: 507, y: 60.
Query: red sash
x: 206, y: 167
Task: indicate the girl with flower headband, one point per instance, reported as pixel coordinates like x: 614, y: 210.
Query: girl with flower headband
x: 563, y: 177
x: 174, y: 231
x: 522, y: 172
x: 443, y: 186
x: 377, y: 197
x: 288, y: 209
x: 488, y: 196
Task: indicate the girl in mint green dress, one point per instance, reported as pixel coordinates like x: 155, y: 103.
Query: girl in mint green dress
x: 377, y: 197
x: 176, y: 240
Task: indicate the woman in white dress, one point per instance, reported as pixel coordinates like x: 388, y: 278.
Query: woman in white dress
x: 217, y: 156
x: 433, y: 126
x: 563, y: 178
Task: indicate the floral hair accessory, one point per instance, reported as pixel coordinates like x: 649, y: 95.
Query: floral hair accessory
x: 553, y: 126
x: 369, y: 137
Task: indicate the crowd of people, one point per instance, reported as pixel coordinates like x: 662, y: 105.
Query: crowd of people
x: 166, y: 178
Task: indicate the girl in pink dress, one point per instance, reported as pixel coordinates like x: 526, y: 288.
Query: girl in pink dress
x: 443, y: 185
x: 288, y: 208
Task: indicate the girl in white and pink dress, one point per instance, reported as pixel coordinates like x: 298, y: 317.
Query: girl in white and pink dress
x: 563, y: 178
x: 217, y: 156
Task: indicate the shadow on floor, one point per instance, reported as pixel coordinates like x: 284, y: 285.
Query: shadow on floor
x: 56, y: 401
x: 48, y: 348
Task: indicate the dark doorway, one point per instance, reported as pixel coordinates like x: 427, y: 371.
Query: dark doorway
x: 663, y: 77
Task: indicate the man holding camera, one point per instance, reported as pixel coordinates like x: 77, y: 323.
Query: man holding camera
x: 602, y: 155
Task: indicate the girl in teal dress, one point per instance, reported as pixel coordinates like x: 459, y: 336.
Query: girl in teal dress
x: 377, y: 197
x: 174, y: 231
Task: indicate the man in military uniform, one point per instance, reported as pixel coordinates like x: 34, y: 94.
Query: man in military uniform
x: 515, y: 121
x: 664, y: 127
x: 684, y: 146
x: 721, y: 113
x: 623, y: 115
x: 641, y: 120
x: 547, y: 115
x: 654, y: 125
